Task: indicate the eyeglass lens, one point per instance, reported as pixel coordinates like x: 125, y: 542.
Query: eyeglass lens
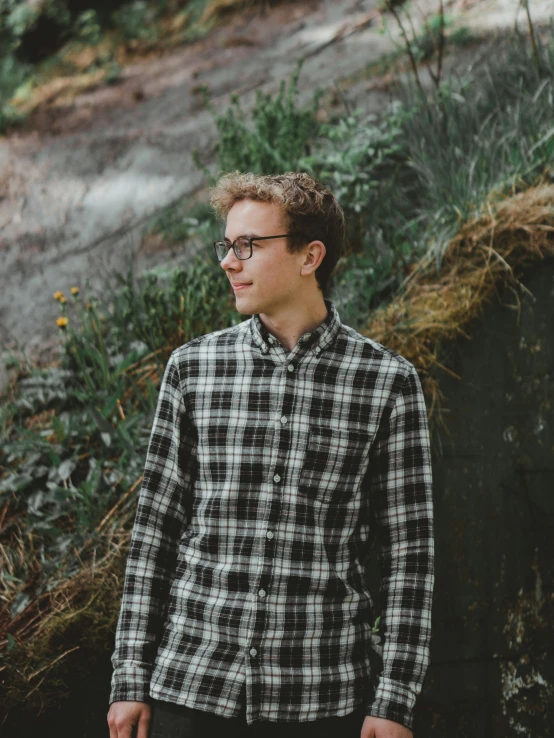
x: 242, y: 248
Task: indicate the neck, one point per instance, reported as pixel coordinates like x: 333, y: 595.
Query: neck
x: 290, y: 323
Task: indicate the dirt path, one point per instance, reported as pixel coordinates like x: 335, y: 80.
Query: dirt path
x: 75, y: 194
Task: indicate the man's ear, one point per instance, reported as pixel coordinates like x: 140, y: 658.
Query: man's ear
x: 314, y: 255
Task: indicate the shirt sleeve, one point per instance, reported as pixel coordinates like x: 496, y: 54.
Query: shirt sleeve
x: 401, y: 498
x: 160, y: 518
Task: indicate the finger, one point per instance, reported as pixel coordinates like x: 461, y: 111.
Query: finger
x: 368, y: 731
x: 143, y: 724
x: 113, y: 729
x: 124, y: 729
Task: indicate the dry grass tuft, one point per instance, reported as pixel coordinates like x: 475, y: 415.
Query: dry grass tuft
x: 489, y: 251
x: 54, y: 630
x: 217, y: 9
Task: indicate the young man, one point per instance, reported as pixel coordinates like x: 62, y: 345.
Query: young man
x: 282, y: 449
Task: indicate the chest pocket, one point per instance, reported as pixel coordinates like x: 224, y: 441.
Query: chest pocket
x: 334, y: 463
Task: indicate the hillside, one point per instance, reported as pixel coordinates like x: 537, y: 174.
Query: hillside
x: 80, y: 180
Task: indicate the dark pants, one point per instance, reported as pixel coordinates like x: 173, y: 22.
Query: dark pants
x: 176, y: 721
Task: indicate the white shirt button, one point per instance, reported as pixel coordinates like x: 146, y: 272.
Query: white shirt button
x: 253, y: 652
x: 269, y: 534
x: 317, y: 349
x: 271, y: 339
x: 284, y: 419
x: 276, y: 478
x: 290, y: 367
x: 261, y: 593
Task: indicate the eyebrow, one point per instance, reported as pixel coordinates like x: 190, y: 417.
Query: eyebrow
x: 244, y: 235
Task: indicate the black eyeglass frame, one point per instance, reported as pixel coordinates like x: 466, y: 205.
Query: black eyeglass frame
x: 250, y: 239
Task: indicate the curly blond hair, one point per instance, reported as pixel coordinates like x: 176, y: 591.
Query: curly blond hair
x: 310, y: 208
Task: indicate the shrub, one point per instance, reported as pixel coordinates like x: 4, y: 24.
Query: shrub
x: 75, y: 435
x: 135, y: 21
x: 275, y: 139
x: 13, y: 74
x: 408, y: 180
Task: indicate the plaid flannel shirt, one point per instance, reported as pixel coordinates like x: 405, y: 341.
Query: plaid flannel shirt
x: 268, y: 478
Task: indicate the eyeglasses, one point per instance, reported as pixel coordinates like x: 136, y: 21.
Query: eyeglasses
x: 243, y: 245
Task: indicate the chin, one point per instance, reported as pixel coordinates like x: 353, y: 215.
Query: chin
x: 245, y: 307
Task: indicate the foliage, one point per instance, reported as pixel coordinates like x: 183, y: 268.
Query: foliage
x: 38, y: 38
x: 136, y: 20
x: 75, y: 435
x: 430, y: 162
x: 182, y: 221
x: 13, y: 75
x: 406, y: 179
x: 277, y: 136
x: 88, y: 27
x: 488, y: 130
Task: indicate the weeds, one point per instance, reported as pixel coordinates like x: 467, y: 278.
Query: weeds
x: 75, y: 435
x: 13, y: 75
x: 40, y: 40
x: 275, y: 137
x: 136, y: 21
x: 430, y: 162
x: 407, y: 179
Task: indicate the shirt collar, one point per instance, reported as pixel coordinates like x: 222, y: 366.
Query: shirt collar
x: 316, y: 340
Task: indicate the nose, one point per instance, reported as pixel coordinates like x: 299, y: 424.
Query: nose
x: 230, y: 261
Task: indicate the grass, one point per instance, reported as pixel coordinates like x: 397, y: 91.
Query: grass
x: 428, y: 165
x: 424, y: 44
x: 74, y: 435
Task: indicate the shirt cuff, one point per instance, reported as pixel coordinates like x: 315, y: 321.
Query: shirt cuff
x: 393, y: 701
x: 131, y: 683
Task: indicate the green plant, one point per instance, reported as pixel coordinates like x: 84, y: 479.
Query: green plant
x: 13, y: 75
x: 113, y: 71
x: 88, y: 28
x: 19, y: 19
x: 136, y: 21
x: 182, y: 221
x: 22, y: 22
x: 406, y: 181
x: 75, y: 435
x: 274, y: 138
x: 488, y: 130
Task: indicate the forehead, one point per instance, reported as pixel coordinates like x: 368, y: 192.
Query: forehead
x: 253, y: 217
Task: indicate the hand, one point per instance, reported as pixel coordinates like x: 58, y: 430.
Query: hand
x: 123, y: 716
x: 375, y: 727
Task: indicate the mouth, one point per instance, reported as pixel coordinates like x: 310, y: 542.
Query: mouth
x: 237, y: 286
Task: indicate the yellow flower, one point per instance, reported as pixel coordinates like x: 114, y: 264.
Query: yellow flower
x: 74, y: 290
x: 62, y: 322
x: 59, y: 296
x: 63, y: 300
